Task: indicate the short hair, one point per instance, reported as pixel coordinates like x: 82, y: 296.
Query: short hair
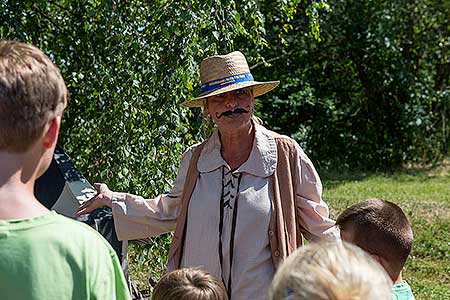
x: 32, y: 91
x: 330, y: 271
x: 381, y: 228
x: 189, y: 284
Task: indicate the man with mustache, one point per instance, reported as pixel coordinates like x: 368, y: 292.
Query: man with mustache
x: 237, y: 110
x: 242, y: 201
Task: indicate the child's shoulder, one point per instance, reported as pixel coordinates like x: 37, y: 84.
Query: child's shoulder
x: 58, y: 232
x: 76, y: 227
x: 65, y: 231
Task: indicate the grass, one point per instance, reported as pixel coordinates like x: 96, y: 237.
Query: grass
x: 424, y: 195
x: 422, y: 192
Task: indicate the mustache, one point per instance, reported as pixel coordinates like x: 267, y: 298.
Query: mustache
x: 231, y: 112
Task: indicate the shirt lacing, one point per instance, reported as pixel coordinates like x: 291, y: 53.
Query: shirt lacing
x: 228, y: 200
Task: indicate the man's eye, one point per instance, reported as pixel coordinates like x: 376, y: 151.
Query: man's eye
x: 241, y: 93
x: 217, y: 99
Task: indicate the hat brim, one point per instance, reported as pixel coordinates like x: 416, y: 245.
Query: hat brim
x: 259, y: 88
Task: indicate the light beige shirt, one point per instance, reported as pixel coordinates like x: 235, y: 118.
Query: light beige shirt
x: 252, y: 268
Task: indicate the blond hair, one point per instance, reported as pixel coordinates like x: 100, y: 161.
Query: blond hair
x: 189, y: 284
x: 330, y: 271
x: 32, y: 91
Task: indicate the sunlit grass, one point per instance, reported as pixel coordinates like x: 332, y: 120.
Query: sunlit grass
x: 424, y: 195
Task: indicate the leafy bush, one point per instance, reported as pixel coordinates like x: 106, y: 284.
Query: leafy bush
x: 373, y: 93
x: 128, y: 66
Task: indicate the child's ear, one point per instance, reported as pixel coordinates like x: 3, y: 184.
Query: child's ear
x: 51, y: 132
x: 377, y: 258
x: 380, y: 260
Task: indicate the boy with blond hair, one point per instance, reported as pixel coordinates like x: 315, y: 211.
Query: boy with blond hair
x: 189, y: 284
x: 381, y: 229
x: 330, y: 271
x: 43, y: 255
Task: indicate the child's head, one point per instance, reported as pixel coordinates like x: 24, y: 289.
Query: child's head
x: 32, y: 93
x: 380, y: 228
x: 330, y: 271
x: 189, y: 284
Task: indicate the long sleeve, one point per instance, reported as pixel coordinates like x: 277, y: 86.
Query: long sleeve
x: 136, y: 217
x: 310, y: 207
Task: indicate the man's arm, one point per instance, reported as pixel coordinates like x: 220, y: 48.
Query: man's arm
x: 312, y: 211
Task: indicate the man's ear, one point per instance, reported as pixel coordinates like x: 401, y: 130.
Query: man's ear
x: 206, y: 109
x: 51, y: 132
x: 205, y: 105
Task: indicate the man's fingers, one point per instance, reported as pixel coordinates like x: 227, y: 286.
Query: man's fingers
x: 88, y: 206
x: 83, y: 209
x: 94, y: 203
x: 81, y: 212
x: 85, y: 204
x: 101, y: 199
x: 86, y: 209
x: 101, y: 187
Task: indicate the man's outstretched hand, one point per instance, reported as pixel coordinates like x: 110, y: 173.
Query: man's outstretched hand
x: 103, y: 198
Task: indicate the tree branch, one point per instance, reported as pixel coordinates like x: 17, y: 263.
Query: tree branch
x: 271, y: 60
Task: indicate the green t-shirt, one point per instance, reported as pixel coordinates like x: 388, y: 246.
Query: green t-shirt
x: 402, y: 291
x: 53, y: 257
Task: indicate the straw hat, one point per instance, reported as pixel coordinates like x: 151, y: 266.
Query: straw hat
x: 225, y: 73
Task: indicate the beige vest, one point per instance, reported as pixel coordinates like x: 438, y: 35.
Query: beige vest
x: 285, y: 231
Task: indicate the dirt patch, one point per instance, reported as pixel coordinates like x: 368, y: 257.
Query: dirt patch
x: 427, y: 210
x: 432, y: 170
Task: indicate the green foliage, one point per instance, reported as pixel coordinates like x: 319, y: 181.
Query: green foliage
x: 365, y: 84
x: 148, y: 261
x: 374, y: 92
x: 129, y: 65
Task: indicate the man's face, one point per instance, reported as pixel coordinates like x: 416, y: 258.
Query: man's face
x: 232, y: 109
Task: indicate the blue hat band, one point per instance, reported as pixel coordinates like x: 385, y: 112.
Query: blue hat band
x: 226, y: 81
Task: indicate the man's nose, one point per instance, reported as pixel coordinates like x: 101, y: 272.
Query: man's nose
x: 231, y: 101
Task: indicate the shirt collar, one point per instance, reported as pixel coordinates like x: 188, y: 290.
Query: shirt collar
x: 261, y: 162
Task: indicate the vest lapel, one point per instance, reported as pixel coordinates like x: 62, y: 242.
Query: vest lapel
x: 176, y: 248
